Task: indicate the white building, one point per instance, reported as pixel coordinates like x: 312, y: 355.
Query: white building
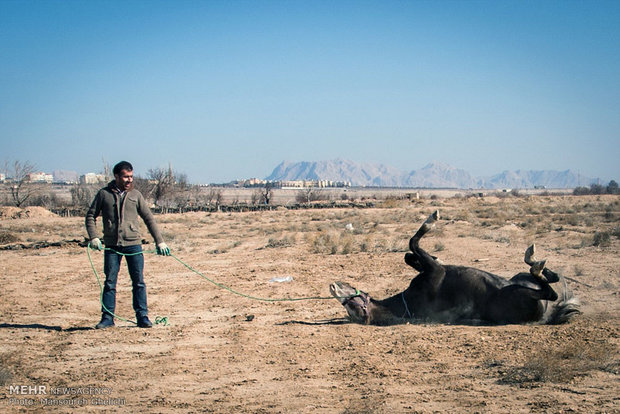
x: 92, y: 178
x: 314, y: 183
x: 40, y: 177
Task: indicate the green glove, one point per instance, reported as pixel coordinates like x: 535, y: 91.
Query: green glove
x: 96, y: 244
x: 163, y: 249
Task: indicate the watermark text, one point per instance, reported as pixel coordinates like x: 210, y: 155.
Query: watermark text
x: 44, y: 395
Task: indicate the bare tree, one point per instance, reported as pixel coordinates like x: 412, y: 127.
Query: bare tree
x: 310, y: 194
x: 170, y: 189
x: 305, y: 196
x: 82, y: 195
x: 180, y: 181
x: 256, y: 196
x: 267, y: 193
x: 213, y: 196
x: 263, y: 195
x: 143, y: 185
x: 47, y: 200
x: 106, y: 170
x: 21, y: 188
x: 163, y: 183
x: 187, y: 195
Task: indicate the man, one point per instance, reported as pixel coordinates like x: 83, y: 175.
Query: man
x: 120, y: 205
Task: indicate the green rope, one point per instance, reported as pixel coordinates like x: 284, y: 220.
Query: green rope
x: 158, y: 320
x: 246, y: 295
x: 164, y: 320
x: 161, y: 320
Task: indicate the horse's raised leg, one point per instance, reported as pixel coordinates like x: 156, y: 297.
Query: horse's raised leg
x: 425, y: 228
x: 431, y: 271
x: 537, y: 267
x: 418, y: 258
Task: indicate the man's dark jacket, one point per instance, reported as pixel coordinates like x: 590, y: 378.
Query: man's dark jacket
x: 120, y: 217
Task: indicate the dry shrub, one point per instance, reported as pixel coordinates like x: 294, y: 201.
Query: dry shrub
x: 462, y: 215
x: 286, y: 241
x: 6, y: 238
x: 561, y: 365
x: 601, y: 239
x: 396, y: 245
x: 393, y: 202
x: 331, y: 242
x: 365, y: 245
x: 324, y: 242
x: 6, y: 376
x: 578, y: 270
x: 225, y: 249
x: 346, y: 241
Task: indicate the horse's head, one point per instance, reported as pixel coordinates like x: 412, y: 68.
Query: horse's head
x: 354, y: 301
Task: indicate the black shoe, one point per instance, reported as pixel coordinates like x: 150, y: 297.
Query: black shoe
x: 144, y: 322
x: 105, y: 323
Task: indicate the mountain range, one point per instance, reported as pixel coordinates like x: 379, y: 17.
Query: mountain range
x: 433, y: 175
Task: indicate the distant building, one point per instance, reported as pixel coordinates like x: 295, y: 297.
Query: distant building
x: 40, y: 177
x: 314, y: 184
x: 2, y: 178
x: 332, y: 184
x: 257, y: 182
x: 92, y: 178
x: 65, y: 177
x: 253, y: 182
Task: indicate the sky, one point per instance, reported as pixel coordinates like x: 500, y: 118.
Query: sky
x: 225, y: 90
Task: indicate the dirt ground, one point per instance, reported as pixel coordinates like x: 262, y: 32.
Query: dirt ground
x: 223, y: 352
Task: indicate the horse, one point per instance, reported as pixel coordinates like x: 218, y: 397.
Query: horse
x: 463, y: 295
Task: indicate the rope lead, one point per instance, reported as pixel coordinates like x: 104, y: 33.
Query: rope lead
x: 163, y: 320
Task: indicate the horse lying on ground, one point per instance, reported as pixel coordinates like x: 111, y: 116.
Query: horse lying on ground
x: 459, y: 294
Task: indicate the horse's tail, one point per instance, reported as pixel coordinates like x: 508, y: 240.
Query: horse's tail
x: 564, y: 308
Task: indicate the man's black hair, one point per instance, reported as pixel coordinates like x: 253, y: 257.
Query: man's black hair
x: 123, y: 165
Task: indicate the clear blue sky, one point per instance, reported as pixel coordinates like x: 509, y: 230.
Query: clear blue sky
x: 228, y: 89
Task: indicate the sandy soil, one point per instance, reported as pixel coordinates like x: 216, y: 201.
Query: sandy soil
x: 225, y: 353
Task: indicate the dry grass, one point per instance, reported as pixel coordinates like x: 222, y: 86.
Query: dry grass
x: 5, y: 376
x: 564, y: 363
x: 6, y: 238
x: 588, y: 221
x: 6, y: 362
x: 285, y: 359
x: 285, y: 241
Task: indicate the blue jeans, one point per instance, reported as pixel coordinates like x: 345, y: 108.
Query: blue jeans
x: 135, y: 265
